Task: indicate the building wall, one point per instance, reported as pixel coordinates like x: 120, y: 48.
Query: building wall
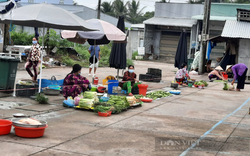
x: 244, y: 52
x: 178, y: 10
x: 1, y: 36
x: 134, y: 42
x: 215, y: 29
x: 156, y: 44
x: 148, y: 38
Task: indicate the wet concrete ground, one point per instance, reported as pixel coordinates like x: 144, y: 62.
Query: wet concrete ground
x: 199, y: 122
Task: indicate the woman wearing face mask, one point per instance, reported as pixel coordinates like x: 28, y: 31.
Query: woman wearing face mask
x: 129, y: 80
x: 33, y: 59
x: 74, y: 83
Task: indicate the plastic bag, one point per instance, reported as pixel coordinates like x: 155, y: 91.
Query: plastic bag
x: 68, y: 103
x: 231, y: 87
x: 77, y: 99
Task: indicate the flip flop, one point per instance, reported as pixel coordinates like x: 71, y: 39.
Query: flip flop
x: 130, y: 94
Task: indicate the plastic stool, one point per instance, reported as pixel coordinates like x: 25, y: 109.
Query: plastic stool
x: 124, y: 91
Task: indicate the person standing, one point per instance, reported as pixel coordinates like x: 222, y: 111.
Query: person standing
x: 33, y: 59
x: 94, y: 50
x: 239, y: 71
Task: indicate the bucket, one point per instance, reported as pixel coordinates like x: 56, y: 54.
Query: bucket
x: 225, y: 77
x: 113, y: 86
x: 96, y: 81
x: 142, y: 89
x: 104, y: 82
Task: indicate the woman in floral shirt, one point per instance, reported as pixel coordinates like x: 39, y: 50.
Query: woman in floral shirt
x: 74, y: 83
x: 33, y: 58
x: 182, y: 74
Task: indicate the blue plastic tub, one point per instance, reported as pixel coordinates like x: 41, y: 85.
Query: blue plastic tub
x: 47, y: 82
x: 112, y: 86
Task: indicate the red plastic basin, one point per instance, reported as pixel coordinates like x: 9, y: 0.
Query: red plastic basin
x: 5, y: 127
x: 105, y: 114
x: 146, y: 99
x: 99, y: 89
x: 26, y: 132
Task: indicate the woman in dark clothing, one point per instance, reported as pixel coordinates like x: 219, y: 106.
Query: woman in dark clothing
x: 239, y: 71
x: 129, y: 80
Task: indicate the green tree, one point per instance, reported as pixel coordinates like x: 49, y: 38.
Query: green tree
x: 75, y: 3
x: 242, y: 1
x: 146, y: 16
x: 107, y: 8
x: 133, y: 12
x: 120, y: 8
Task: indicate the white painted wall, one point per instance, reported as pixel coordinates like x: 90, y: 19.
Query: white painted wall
x: 244, y: 52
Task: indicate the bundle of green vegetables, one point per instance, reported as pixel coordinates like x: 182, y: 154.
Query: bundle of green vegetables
x: 89, y: 95
x: 157, y: 94
x: 226, y: 86
x: 119, y: 102
x: 116, y: 104
x: 154, y: 95
x: 102, y: 107
x: 200, y: 83
x: 86, y: 103
x: 89, y: 98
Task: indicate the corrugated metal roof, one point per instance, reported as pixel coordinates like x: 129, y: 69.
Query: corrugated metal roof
x: 141, y: 26
x: 236, y: 29
x: 171, y: 22
x: 214, y: 18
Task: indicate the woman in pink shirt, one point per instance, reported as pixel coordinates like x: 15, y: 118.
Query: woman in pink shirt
x: 239, y: 71
x: 216, y: 73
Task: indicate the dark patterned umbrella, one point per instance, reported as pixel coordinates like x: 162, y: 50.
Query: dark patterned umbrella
x: 181, y: 53
x: 118, y: 58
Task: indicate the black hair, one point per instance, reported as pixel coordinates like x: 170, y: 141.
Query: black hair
x: 183, y: 65
x: 131, y: 66
x: 76, y: 68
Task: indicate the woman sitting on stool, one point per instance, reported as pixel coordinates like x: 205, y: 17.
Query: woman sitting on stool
x: 74, y: 83
x: 129, y: 80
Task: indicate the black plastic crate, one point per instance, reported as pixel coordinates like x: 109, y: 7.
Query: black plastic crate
x: 26, y: 90
x: 156, y: 78
x: 154, y: 71
x: 146, y: 77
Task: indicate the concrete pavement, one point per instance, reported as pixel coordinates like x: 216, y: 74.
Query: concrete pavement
x: 199, y: 122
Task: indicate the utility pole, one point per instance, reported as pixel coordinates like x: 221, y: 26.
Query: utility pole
x: 99, y: 9
x: 204, y: 35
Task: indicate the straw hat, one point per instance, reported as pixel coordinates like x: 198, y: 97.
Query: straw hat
x: 218, y: 68
x: 228, y: 66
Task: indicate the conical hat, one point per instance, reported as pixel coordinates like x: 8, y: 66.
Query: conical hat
x: 218, y: 68
x: 228, y: 66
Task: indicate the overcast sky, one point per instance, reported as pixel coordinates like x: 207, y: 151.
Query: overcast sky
x: 148, y: 3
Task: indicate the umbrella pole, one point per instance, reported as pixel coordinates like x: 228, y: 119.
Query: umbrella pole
x: 93, y: 67
x: 117, y: 74
x: 41, y: 65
